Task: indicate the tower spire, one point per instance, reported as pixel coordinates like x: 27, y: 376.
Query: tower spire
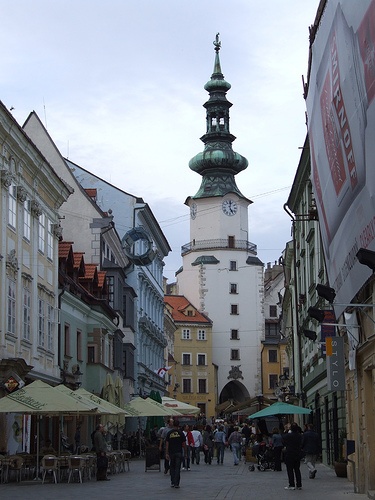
x: 218, y: 163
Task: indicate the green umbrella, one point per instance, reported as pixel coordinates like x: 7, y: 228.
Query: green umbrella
x: 280, y: 408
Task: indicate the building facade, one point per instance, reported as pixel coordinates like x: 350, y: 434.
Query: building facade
x: 193, y: 376
x: 31, y: 195
x: 275, y: 363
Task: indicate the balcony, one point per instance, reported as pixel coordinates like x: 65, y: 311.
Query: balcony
x: 219, y: 244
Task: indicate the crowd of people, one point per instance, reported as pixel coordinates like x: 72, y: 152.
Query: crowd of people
x: 184, y: 446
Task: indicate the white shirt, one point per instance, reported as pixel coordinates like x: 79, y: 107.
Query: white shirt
x: 198, y: 439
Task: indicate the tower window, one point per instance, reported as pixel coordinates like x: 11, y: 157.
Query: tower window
x: 231, y: 242
x: 234, y: 335
x: 234, y: 308
x: 232, y: 265
x: 234, y: 354
x: 233, y: 288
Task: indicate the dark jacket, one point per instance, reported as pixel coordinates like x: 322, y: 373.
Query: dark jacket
x: 293, y: 445
x: 311, y: 443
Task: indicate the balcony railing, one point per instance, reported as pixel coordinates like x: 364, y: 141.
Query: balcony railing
x: 219, y: 244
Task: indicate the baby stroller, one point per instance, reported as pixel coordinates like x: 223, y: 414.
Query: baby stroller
x: 265, y: 457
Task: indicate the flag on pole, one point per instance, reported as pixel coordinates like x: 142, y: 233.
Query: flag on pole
x: 162, y: 371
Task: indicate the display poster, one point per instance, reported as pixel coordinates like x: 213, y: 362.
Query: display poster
x: 341, y: 118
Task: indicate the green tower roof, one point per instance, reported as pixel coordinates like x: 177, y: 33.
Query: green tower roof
x: 218, y: 163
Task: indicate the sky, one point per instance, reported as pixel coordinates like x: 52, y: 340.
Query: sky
x: 119, y: 86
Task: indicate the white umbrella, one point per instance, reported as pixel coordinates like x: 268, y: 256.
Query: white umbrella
x: 150, y: 408
x: 180, y: 406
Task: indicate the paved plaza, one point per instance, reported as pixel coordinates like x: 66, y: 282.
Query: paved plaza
x: 206, y: 482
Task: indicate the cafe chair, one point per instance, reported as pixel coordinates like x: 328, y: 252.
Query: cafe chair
x: 76, y: 466
x: 50, y: 464
x: 15, y: 466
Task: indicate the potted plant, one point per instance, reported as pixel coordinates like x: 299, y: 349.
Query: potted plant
x: 341, y: 462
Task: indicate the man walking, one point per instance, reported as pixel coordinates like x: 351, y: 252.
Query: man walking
x: 234, y: 441
x: 175, y: 448
x: 198, y: 443
x: 293, y: 444
x: 163, y: 437
x: 100, y: 445
x: 220, y: 442
x: 311, y: 446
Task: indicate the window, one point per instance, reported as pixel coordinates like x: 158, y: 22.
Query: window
x: 50, y: 318
x: 111, y: 290
x: 272, y: 381
x: 186, y: 358
x: 201, y: 335
x: 27, y: 220
x: 233, y: 288
x: 67, y: 340
x: 231, y: 242
x: 272, y: 329
x: 11, y: 307
x: 12, y: 206
x: 91, y: 354
x: 186, y: 385
x: 41, y: 233
x: 26, y: 314
x: 235, y: 354
x: 201, y: 360
x: 79, y: 345
x: 273, y: 311
x: 234, y: 308
x: 202, y: 385
x: 234, y: 335
x: 186, y: 334
x: 41, y: 322
x: 272, y: 356
x: 49, y: 240
x: 232, y: 265
x: 190, y: 313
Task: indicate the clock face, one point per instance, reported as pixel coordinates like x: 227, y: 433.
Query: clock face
x: 193, y: 210
x: 229, y: 207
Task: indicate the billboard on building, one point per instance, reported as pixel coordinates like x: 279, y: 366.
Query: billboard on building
x: 341, y: 116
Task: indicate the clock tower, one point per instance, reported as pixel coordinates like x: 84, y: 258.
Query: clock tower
x: 221, y: 273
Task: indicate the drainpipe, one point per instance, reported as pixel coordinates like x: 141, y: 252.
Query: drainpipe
x: 298, y: 361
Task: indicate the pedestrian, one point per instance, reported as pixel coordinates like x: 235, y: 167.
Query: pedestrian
x: 175, y: 449
x: 311, y: 446
x: 198, y: 443
x: 220, y: 440
x: 292, y: 441
x: 48, y: 449
x: 246, y: 432
x: 189, y: 443
x: 163, y: 438
x: 234, y: 441
x: 277, y: 445
x: 100, y: 445
x: 208, y: 444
